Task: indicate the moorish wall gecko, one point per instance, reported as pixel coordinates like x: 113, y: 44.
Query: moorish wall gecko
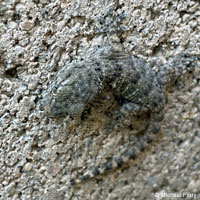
x: 129, y: 78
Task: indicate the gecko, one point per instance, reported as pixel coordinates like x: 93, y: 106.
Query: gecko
x: 129, y: 78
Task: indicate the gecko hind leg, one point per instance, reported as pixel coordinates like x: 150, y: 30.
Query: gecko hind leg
x: 122, y: 117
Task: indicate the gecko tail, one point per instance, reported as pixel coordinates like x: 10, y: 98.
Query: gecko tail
x: 115, y: 163
x: 134, y: 148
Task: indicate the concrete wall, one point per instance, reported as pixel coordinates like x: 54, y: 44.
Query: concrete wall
x: 38, y: 155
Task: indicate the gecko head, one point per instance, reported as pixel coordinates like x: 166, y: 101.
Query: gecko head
x: 54, y: 108
x: 67, y: 96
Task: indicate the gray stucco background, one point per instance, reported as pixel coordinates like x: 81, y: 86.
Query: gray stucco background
x: 38, y: 156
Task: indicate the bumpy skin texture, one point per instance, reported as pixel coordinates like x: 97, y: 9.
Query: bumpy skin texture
x: 130, y: 79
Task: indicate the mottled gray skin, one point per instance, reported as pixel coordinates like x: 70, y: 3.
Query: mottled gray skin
x: 126, y: 76
x: 129, y: 78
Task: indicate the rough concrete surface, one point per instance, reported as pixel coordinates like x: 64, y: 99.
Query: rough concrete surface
x: 39, y: 155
